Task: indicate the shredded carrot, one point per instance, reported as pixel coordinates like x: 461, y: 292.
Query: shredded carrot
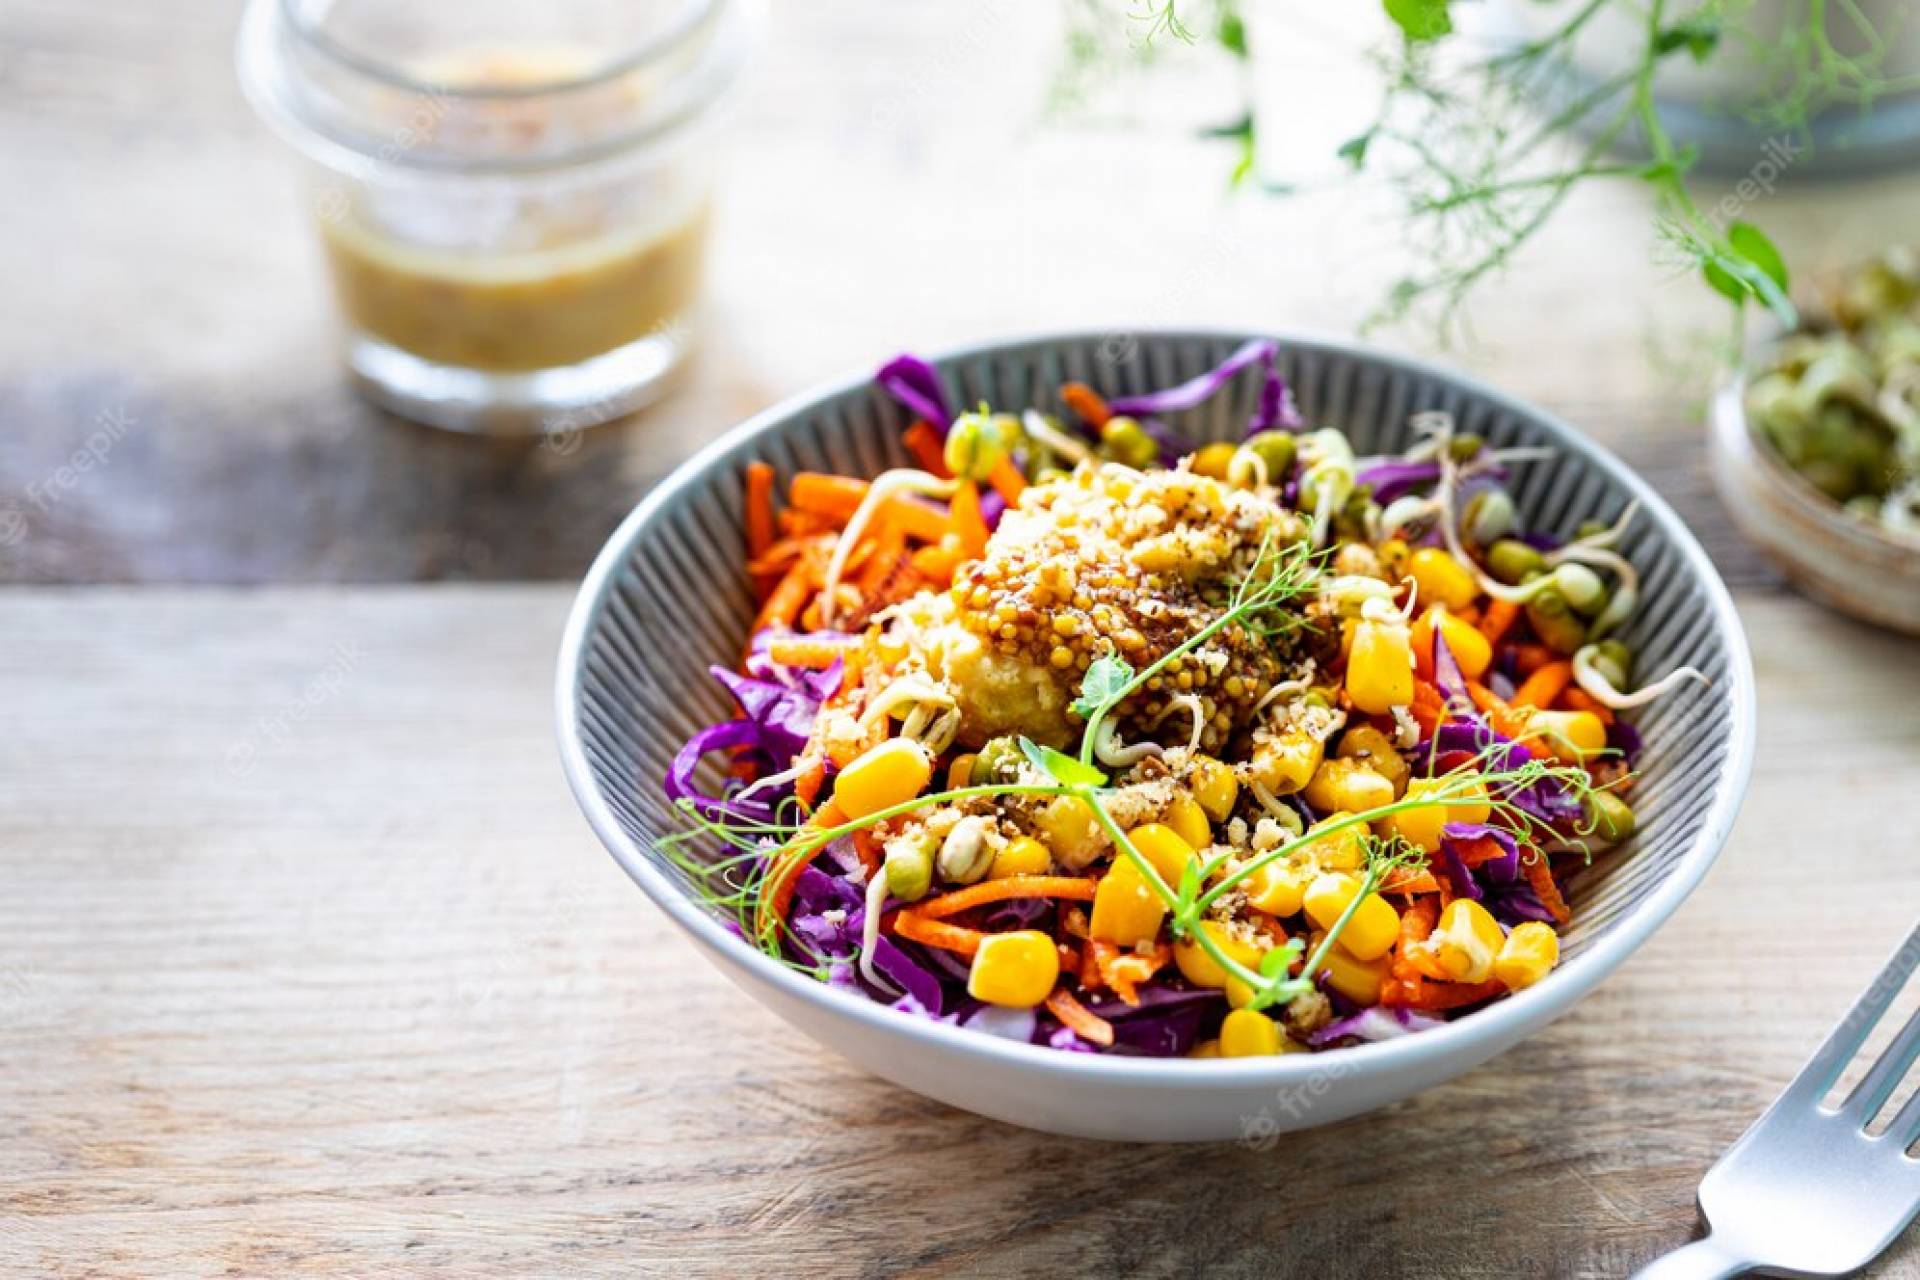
x: 1540, y: 876
x: 801, y: 524
x: 937, y: 563
x: 924, y: 443
x: 967, y: 520
x: 1498, y: 619
x: 1574, y: 698
x: 889, y: 546
x: 816, y: 653
x: 1436, y: 997
x: 1429, y: 709
x: 1073, y: 888
x: 776, y: 892
x: 813, y: 776
x: 1079, y: 1019
x: 759, y: 508
x: 1086, y: 402
x: 1478, y: 850
x: 1124, y: 971
x: 867, y: 845
x: 919, y: 520
x: 1529, y: 658
x: 1543, y: 686
x: 788, y: 598
x: 1411, y: 965
x: 836, y: 497
x: 760, y: 526
x: 1409, y: 881
x: 1506, y: 720
x: 1007, y: 481
x: 912, y: 925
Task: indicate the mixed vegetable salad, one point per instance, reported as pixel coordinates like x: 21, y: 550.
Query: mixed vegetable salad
x: 1080, y: 734
x: 1839, y: 402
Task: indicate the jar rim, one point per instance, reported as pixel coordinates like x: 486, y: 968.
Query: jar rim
x: 693, y: 15
x: 274, y: 43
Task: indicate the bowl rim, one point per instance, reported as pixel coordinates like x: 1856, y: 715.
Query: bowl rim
x: 1499, y: 1024
x: 1734, y: 436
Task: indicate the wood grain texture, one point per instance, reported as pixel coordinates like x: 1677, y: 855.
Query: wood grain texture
x: 892, y: 184
x: 309, y: 967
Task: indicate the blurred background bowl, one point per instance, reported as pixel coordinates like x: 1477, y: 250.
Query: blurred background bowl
x: 1844, y: 562
x: 668, y: 595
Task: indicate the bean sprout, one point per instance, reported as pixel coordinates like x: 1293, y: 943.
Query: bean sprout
x: 1601, y: 690
x: 883, y: 489
x: 1112, y: 754
x: 1075, y: 451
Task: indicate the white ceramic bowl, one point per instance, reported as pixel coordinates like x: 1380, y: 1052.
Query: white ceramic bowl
x: 667, y: 596
x: 1845, y: 563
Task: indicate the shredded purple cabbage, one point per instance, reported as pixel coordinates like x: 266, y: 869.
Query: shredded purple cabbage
x: 992, y: 507
x: 900, y: 969
x: 715, y: 737
x: 1173, y: 444
x: 1381, y: 1022
x: 1499, y: 884
x: 915, y: 384
x: 1274, y: 408
x: 1625, y: 739
x: 1392, y: 478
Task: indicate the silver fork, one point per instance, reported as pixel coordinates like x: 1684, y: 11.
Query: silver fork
x: 1806, y: 1190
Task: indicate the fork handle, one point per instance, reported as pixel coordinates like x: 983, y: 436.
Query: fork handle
x: 1700, y: 1260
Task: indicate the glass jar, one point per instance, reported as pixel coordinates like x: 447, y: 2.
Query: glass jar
x: 512, y: 197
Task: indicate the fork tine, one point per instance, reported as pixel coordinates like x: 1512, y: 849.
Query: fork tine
x: 1832, y: 1058
x: 1879, y: 1083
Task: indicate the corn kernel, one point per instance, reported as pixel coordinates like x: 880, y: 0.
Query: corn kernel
x: 1205, y: 1049
x: 1466, y: 941
x: 1068, y: 825
x: 1357, y: 980
x: 1189, y: 822
x: 1248, y: 1033
x: 1284, y: 764
x: 1471, y: 650
x: 1442, y: 579
x: 1126, y: 910
x: 1200, y: 968
x: 1024, y: 856
x: 1279, y: 887
x: 891, y: 773
x: 1571, y: 735
x: 1016, y: 969
x: 960, y: 772
x: 1164, y: 849
x: 1528, y: 955
x: 1341, y: 850
x: 1214, y: 787
x: 1422, y: 826
x: 1348, y: 786
x: 1374, y: 926
x: 1380, y: 668
x: 1214, y: 460
x: 1375, y: 750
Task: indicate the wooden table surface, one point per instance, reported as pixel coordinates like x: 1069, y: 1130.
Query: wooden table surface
x: 307, y: 963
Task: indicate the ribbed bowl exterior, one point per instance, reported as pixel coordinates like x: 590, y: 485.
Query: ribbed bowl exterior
x: 669, y: 596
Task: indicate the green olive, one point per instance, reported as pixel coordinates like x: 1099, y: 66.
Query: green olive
x: 996, y: 762
x: 1489, y: 516
x: 1610, y: 817
x: 976, y: 442
x: 1465, y: 447
x: 910, y: 866
x: 1511, y: 560
x: 1581, y: 586
x: 1125, y: 441
x: 1554, y: 621
x: 1614, y: 660
x: 1277, y: 449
